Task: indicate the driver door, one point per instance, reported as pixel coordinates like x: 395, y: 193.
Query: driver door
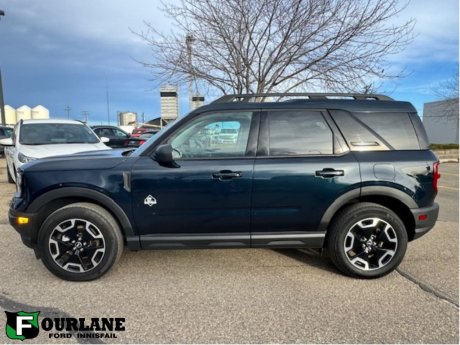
x: 206, y: 200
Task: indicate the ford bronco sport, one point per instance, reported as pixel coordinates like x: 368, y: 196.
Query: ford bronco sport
x: 347, y: 172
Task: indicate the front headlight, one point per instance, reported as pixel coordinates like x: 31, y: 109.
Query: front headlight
x: 19, y: 181
x: 24, y: 159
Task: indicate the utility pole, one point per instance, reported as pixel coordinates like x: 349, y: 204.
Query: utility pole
x: 188, y: 41
x: 2, y: 102
x: 107, y: 98
x: 68, y: 109
x: 85, y: 114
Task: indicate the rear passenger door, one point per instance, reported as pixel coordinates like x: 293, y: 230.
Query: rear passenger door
x: 302, y: 166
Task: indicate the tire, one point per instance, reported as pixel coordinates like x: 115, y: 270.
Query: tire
x: 10, y: 178
x: 366, y: 240
x: 70, y: 252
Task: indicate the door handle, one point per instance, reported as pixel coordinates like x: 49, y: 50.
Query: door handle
x: 328, y: 172
x: 226, y: 174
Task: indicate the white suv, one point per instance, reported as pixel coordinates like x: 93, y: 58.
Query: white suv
x: 33, y: 139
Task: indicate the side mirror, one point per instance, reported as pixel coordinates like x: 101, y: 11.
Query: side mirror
x: 105, y: 139
x: 6, y: 142
x: 164, y: 156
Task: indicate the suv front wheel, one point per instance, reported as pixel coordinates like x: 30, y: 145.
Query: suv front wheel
x: 367, y: 240
x: 79, y: 242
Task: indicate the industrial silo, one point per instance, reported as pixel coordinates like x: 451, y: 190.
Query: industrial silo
x: 23, y: 113
x: 40, y: 113
x: 127, y: 118
x: 10, y: 115
x: 169, y: 103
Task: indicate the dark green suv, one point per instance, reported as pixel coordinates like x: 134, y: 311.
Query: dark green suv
x: 350, y: 173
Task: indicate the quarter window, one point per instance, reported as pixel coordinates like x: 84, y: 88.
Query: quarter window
x: 394, y: 128
x: 218, y: 135
x: 299, y: 133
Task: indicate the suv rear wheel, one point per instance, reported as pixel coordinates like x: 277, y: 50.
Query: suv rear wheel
x: 79, y: 242
x: 367, y: 240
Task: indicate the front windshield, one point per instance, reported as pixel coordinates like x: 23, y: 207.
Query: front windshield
x: 56, y: 133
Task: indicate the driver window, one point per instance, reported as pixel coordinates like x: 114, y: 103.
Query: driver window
x: 216, y: 135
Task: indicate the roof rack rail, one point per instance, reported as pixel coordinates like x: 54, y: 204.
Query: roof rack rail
x: 260, y: 97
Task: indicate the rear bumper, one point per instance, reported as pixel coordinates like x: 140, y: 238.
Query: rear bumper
x: 425, y: 219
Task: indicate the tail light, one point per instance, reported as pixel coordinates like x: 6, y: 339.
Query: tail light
x: 141, y: 142
x: 436, y: 176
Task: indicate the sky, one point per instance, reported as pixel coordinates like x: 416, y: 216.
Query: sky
x: 60, y: 53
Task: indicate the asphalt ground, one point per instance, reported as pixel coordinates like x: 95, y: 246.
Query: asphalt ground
x: 249, y: 295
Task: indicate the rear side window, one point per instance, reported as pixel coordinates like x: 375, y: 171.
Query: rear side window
x: 299, y: 133
x: 377, y: 131
x: 395, y: 128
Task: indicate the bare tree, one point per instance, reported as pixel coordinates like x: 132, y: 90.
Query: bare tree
x: 447, y: 110
x: 242, y: 46
x: 448, y: 89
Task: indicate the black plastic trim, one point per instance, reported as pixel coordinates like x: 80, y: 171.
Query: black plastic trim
x: 104, y: 200
x: 180, y: 241
x: 308, y: 239
x: 390, y: 192
x: 423, y: 226
x: 336, y: 205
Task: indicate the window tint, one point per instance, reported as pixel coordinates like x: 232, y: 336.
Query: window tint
x: 395, y: 128
x: 213, y: 136
x: 56, y: 133
x: 119, y: 133
x: 104, y: 132
x: 377, y: 131
x: 356, y: 135
x: 299, y: 133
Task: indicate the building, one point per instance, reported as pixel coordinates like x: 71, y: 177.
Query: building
x: 23, y: 113
x: 441, y: 121
x: 40, y: 113
x: 12, y: 116
x: 169, y: 103
x: 127, y: 118
x: 197, y: 101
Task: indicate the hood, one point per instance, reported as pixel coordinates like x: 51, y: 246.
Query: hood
x: 42, y: 151
x: 102, y: 159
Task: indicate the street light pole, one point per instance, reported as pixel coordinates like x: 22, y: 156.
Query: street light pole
x: 2, y: 102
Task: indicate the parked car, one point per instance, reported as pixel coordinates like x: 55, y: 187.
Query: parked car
x: 33, y: 139
x: 117, y: 136
x: 137, y: 132
x: 5, y: 132
x: 228, y: 135
x: 350, y: 173
x: 142, y: 139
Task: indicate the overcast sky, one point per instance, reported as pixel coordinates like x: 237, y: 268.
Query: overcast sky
x: 62, y: 52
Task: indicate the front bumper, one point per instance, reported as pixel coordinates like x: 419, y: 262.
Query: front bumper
x: 29, y: 231
x: 425, y: 219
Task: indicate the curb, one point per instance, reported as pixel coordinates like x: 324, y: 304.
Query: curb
x: 448, y: 160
